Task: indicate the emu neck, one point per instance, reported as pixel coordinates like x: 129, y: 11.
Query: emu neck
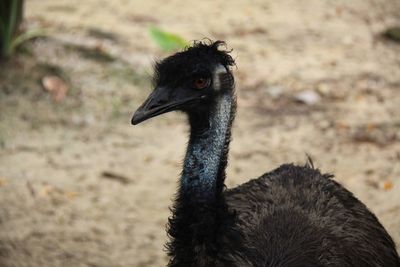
x: 200, y: 209
x: 206, y: 157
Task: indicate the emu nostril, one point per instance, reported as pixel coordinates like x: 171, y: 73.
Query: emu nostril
x: 158, y: 103
x: 153, y: 106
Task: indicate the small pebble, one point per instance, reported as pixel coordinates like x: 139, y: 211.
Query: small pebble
x: 307, y: 97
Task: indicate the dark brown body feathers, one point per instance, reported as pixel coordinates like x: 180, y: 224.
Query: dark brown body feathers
x: 291, y: 217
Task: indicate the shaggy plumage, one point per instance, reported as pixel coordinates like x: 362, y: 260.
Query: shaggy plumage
x: 293, y: 216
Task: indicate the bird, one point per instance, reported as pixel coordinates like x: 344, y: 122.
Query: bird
x: 292, y: 216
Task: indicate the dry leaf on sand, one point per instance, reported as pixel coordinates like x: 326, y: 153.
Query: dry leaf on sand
x: 56, y: 86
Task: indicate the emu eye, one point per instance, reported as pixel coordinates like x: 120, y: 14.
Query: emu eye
x: 201, y: 83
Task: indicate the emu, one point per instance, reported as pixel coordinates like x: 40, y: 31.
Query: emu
x: 293, y: 216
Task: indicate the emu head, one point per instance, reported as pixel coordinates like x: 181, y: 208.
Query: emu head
x: 188, y: 81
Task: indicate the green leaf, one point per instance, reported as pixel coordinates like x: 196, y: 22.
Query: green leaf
x: 26, y: 36
x: 167, y: 41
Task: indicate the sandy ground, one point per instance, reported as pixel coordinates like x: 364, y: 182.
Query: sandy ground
x: 80, y: 186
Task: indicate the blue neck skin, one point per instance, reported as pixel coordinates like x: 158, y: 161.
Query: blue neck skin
x: 206, y: 156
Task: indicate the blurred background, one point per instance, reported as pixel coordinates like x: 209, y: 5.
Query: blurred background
x: 80, y: 186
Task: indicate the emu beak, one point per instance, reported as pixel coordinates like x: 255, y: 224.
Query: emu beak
x: 160, y: 101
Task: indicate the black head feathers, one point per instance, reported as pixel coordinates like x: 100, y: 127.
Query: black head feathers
x: 200, y: 58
